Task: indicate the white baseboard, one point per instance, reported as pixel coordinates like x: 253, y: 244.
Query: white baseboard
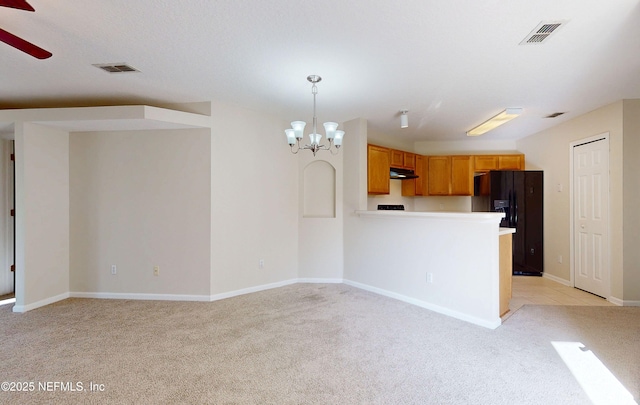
x: 557, y: 279
x: 41, y: 303
x: 623, y: 303
x: 432, y: 307
x: 170, y: 297
x: 249, y: 290
x: 320, y: 280
x: 136, y: 296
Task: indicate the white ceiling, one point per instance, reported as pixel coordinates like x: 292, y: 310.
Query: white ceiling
x: 451, y: 63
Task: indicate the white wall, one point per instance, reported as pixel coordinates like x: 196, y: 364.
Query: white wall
x: 320, y: 249
x: 631, y: 200
x: 393, y: 255
x: 254, y: 200
x: 549, y: 150
x: 42, y: 214
x: 140, y: 199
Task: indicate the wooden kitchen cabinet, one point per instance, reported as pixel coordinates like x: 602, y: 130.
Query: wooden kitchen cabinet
x: 378, y: 163
x: 439, y: 175
x: 402, y: 160
x: 461, y: 175
x: 416, y: 187
x: 423, y: 170
x: 506, y: 272
x: 511, y: 162
x: 485, y: 163
x: 409, y: 160
x: 397, y: 158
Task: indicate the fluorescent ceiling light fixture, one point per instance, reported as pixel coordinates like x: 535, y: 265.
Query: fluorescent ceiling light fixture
x: 506, y: 115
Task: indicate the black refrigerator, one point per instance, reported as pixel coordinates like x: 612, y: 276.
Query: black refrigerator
x: 519, y: 194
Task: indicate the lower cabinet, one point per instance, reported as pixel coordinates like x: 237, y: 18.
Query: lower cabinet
x: 506, y: 266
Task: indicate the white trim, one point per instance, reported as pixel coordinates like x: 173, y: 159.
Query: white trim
x: 221, y: 296
x: 41, y: 303
x: 432, y: 307
x: 557, y: 279
x: 572, y: 145
x: 139, y: 296
x: 215, y: 297
x: 624, y: 303
x: 320, y: 280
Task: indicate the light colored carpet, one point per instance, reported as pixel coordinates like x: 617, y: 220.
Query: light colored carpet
x: 306, y: 344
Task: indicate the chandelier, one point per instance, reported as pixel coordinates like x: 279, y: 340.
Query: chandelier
x: 295, y: 133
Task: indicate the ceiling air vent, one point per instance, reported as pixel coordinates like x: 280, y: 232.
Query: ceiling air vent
x: 555, y: 114
x: 116, y: 68
x: 543, y: 31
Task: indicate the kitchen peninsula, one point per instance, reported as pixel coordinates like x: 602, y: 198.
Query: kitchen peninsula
x: 448, y: 262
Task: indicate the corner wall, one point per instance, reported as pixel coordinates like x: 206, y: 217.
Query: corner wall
x: 42, y: 215
x: 254, y: 201
x: 631, y: 199
x: 549, y: 150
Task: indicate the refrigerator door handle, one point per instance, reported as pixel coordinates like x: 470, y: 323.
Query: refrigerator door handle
x: 515, y: 210
x: 510, y: 218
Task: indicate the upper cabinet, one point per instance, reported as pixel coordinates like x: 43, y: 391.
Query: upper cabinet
x: 484, y: 163
x: 461, y: 175
x: 409, y: 160
x: 511, y: 162
x: 437, y: 175
x: 397, y: 158
x: 402, y: 160
x: 450, y: 175
x: 419, y: 186
x: 378, y: 163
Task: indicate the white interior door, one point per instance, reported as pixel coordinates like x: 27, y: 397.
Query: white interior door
x: 591, y: 216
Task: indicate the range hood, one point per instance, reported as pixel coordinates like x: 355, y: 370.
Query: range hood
x: 401, y: 174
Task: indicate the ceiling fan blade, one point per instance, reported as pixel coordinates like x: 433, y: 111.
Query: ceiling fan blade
x: 19, y: 4
x: 23, y: 45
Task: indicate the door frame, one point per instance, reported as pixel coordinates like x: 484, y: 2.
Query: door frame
x: 604, y: 136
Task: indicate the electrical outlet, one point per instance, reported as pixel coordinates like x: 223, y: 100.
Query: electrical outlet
x: 114, y: 269
x: 559, y: 258
x: 430, y: 278
x: 156, y: 270
x: 261, y: 263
